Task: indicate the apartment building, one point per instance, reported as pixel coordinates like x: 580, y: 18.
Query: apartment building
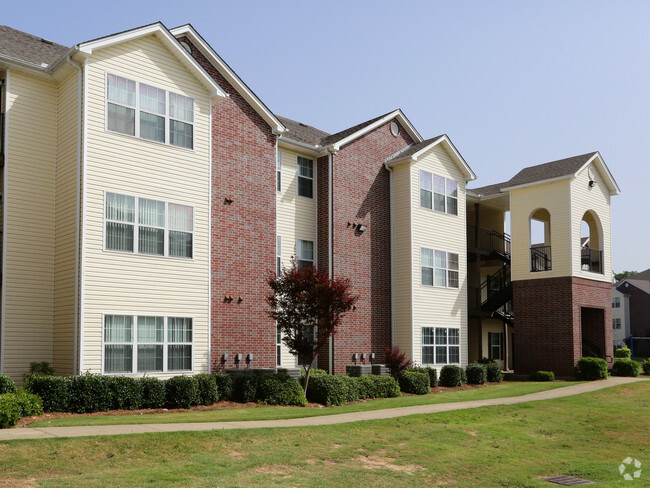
x: 139, y: 232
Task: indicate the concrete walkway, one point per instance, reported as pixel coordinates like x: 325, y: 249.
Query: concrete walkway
x: 82, y: 431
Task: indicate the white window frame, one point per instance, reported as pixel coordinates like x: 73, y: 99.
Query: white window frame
x: 616, y: 302
x: 278, y: 346
x: 134, y: 344
x: 433, y: 192
x: 436, y: 345
x: 447, y: 269
x: 616, y: 323
x: 299, y: 258
x: 167, y: 228
x: 278, y: 172
x: 138, y: 110
x: 278, y: 255
x: 312, y: 179
x: 500, y: 345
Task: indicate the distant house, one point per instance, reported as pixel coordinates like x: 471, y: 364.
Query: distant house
x: 636, y: 289
x: 620, y: 317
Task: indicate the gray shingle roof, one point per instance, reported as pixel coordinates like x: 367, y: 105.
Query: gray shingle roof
x: 416, y: 147
x: 334, y: 138
x: 300, y: 132
x: 28, y: 48
x: 488, y: 190
x: 643, y: 285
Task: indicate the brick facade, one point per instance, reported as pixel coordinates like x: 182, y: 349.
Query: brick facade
x: 243, y: 232
x: 549, y: 327
x: 361, y: 195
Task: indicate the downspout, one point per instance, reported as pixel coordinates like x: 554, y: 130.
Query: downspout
x: 392, y: 257
x: 3, y: 298
x: 75, y: 353
x: 83, y: 218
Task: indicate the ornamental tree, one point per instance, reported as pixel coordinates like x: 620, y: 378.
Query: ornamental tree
x: 308, y: 307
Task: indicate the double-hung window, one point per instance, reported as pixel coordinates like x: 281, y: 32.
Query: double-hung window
x: 440, y: 345
x: 616, y: 323
x: 439, y: 268
x: 495, y: 345
x: 305, y: 253
x: 148, y: 112
x: 278, y: 255
x: 438, y: 193
x: 278, y: 171
x: 147, y: 226
x: 139, y: 344
x: 616, y: 302
x: 305, y: 177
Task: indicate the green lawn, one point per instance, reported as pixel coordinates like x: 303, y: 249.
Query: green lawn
x: 267, y: 413
x: 586, y: 436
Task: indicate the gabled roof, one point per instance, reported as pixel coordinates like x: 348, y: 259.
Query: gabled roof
x: 227, y: 72
x: 417, y: 150
x: 19, y: 46
x: 643, y: 285
x: 299, y: 132
x: 166, y: 37
x: 339, y: 136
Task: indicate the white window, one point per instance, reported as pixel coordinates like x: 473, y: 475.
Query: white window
x: 495, y: 345
x: 140, y: 344
x: 144, y: 111
x: 305, y: 253
x: 278, y: 171
x: 438, y: 193
x: 617, y: 323
x: 278, y: 255
x: 616, y: 302
x: 305, y: 177
x: 162, y: 229
x: 278, y: 346
x: 440, y: 345
x: 439, y: 268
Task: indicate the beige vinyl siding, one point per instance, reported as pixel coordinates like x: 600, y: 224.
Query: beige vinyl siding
x: 596, y: 199
x: 29, y: 191
x: 493, y: 325
x: 402, y: 268
x: 435, y: 306
x: 296, y: 219
x: 122, y: 283
x: 554, y: 197
x: 66, y: 224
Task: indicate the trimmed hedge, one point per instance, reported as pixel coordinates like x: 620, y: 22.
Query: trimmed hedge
x: 493, y: 372
x: 542, y: 376
x: 280, y: 389
x: 53, y: 390
x: 373, y: 386
x: 90, y: 393
x: 412, y: 382
x: 451, y: 376
x: 646, y: 366
x: 9, y: 410
x: 328, y: 390
x: 208, y: 390
x: 182, y: 391
x: 153, y: 392
x: 245, y: 388
x: 626, y: 367
x: 313, y: 373
x: 224, y: 385
x: 125, y: 392
x: 432, y: 372
x: 7, y: 385
x: 30, y: 405
x: 623, y: 352
x: 476, y: 373
x: 592, y: 369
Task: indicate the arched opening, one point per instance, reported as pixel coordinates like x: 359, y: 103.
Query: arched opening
x: 540, y: 240
x: 591, y: 243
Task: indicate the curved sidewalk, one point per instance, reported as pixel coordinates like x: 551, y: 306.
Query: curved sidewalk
x: 82, y: 431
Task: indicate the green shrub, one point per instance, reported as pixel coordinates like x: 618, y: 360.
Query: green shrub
x: 244, y: 388
x: 208, y: 391
x: 329, y: 390
x: 373, y: 386
x: 53, y: 390
x: 412, y: 382
x: 646, y: 366
x: 42, y: 369
x: 542, y: 376
x: 280, y: 389
x: 626, y: 367
x: 431, y: 372
x: 9, y: 411
x: 126, y: 393
x: 7, y: 385
x: 153, y: 392
x: 90, y: 393
x: 451, y: 376
x: 182, y: 391
x: 623, y: 352
x: 352, y: 388
x: 486, y: 361
x: 592, y: 369
x: 476, y: 373
x: 30, y: 405
x: 493, y: 372
x: 314, y: 372
x: 224, y: 385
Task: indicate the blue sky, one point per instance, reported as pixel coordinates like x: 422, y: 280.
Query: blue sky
x: 512, y: 83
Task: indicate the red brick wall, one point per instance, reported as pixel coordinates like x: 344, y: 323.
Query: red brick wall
x: 639, y: 311
x: 243, y: 233
x: 362, y: 196
x: 548, y: 329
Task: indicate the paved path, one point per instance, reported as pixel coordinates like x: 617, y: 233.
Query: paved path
x: 82, y: 431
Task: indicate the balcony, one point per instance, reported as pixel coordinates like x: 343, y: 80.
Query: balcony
x: 591, y: 260
x: 540, y: 258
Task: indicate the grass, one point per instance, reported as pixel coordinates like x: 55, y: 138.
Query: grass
x: 586, y: 436
x: 269, y: 413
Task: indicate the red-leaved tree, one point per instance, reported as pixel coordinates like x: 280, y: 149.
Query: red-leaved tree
x: 308, y: 307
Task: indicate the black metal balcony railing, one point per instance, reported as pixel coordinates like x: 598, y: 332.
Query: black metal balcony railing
x: 488, y: 239
x: 591, y: 260
x: 495, y: 284
x: 540, y: 258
